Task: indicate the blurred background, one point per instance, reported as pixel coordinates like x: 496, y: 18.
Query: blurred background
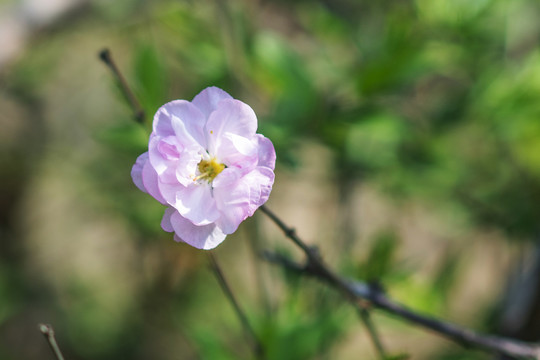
x: 408, y: 142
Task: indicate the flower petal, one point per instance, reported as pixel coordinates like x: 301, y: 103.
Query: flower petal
x: 186, y: 166
x: 267, y: 154
x: 266, y: 180
x: 235, y: 150
x: 195, y: 203
x: 227, y: 177
x: 136, y: 171
x: 231, y: 116
x: 166, y: 220
x: 185, y: 136
x: 202, y: 237
x: 238, y: 200
x: 207, y: 100
x: 162, y: 161
x: 175, y: 157
x: 186, y: 113
x: 150, y: 182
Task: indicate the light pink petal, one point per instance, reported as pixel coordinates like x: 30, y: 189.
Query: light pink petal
x: 186, y: 167
x: 150, y: 182
x: 136, y: 171
x: 183, y: 111
x: 240, y: 199
x: 163, y: 154
x: 266, y: 180
x: 166, y: 221
x: 227, y: 177
x: 168, y: 191
x: 173, y: 161
x: 202, y: 237
x: 185, y: 136
x: 235, y: 150
x: 207, y: 100
x: 267, y: 154
x: 231, y: 116
x: 195, y: 203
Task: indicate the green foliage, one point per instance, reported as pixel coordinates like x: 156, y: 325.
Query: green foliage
x: 211, y: 346
x: 374, y: 143
x: 305, y: 325
x: 94, y: 319
x: 380, y: 258
x: 398, y: 357
x: 128, y: 137
x: 151, y: 79
x: 446, y: 275
x: 9, y: 294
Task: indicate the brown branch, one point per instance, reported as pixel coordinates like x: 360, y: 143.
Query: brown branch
x: 48, y: 332
x: 359, y: 291
x: 315, y: 264
x: 257, y: 346
x: 138, y: 112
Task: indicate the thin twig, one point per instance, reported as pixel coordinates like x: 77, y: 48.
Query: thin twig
x: 138, y: 112
x: 316, y: 264
x: 365, y: 315
x: 257, y: 346
x: 314, y: 259
x: 463, y: 336
x: 48, y: 332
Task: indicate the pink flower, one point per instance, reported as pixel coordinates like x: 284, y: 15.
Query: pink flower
x: 206, y: 163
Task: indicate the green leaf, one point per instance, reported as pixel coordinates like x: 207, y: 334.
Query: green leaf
x: 150, y: 78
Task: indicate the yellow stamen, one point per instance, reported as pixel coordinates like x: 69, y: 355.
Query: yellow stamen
x: 209, y: 169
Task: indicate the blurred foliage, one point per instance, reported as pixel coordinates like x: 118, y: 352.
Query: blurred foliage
x: 430, y: 100
x: 380, y: 258
x: 415, y: 96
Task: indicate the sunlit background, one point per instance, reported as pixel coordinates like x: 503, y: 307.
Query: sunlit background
x: 408, y: 143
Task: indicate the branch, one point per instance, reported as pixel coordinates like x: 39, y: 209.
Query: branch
x: 258, y: 348
x: 138, y: 112
x: 360, y: 291
x: 315, y: 264
x: 48, y: 332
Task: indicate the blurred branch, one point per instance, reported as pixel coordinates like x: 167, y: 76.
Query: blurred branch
x: 138, y: 112
x: 258, y: 349
x: 358, y: 291
x: 48, y: 332
x: 316, y: 265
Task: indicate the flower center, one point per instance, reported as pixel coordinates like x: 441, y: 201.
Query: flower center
x: 209, y: 169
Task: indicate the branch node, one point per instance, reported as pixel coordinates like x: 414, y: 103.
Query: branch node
x: 376, y: 288
x: 105, y: 56
x: 48, y: 332
x: 291, y: 232
x: 138, y: 112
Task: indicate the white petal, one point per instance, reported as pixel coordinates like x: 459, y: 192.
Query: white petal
x: 202, y: 237
x: 230, y: 116
x: 208, y: 99
x: 183, y: 111
x: 166, y: 220
x: 195, y: 203
x: 136, y: 171
x: 267, y: 154
x: 238, y: 200
x: 151, y: 183
x: 227, y: 177
x: 235, y: 150
x: 160, y: 163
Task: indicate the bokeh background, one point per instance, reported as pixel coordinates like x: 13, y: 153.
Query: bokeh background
x: 408, y: 142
